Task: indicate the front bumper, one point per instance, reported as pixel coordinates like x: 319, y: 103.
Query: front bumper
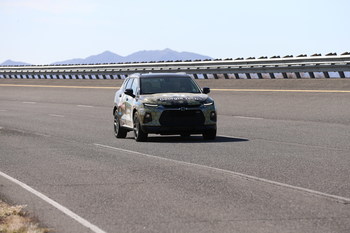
x: 167, y: 130
x: 187, y: 119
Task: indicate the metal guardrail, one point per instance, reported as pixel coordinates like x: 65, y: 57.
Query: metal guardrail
x: 316, y: 66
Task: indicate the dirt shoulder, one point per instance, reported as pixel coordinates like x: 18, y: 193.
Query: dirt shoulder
x: 15, y: 219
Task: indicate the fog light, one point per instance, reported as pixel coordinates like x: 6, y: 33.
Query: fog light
x: 147, y: 118
x: 213, y: 116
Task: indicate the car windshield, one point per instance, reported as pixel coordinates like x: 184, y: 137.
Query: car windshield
x: 153, y: 85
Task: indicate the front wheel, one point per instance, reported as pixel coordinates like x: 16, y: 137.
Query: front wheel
x: 139, y: 134
x: 209, y: 134
x: 119, y: 132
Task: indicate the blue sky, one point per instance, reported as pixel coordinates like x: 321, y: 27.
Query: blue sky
x: 45, y: 31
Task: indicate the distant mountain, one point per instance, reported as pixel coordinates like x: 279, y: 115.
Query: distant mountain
x: 163, y: 55
x: 105, y: 57
x: 13, y: 63
x: 141, y: 56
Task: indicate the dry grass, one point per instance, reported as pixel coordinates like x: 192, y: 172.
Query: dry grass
x: 14, y: 220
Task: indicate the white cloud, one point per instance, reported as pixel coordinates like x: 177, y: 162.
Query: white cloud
x: 52, y: 6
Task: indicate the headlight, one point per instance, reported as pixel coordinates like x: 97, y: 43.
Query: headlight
x: 150, y: 105
x: 208, y: 102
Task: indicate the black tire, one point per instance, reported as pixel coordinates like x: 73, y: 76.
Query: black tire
x: 139, y: 134
x: 209, y: 134
x: 119, y: 131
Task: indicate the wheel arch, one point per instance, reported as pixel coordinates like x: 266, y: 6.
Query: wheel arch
x: 133, y: 112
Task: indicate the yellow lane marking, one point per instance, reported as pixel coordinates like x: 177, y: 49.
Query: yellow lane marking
x: 214, y: 89
x: 275, y: 90
x: 51, y: 86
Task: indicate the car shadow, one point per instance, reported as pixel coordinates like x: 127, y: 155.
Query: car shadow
x: 193, y: 139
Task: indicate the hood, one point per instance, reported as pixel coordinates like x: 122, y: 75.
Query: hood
x: 183, y: 99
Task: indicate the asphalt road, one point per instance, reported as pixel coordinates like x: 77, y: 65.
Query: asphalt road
x: 280, y: 163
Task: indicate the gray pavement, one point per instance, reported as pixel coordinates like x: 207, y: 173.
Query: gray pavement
x: 49, y: 137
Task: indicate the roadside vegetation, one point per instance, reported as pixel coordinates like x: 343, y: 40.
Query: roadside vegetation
x: 14, y: 220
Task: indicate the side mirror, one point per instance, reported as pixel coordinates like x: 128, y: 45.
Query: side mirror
x: 129, y: 92
x: 206, y: 90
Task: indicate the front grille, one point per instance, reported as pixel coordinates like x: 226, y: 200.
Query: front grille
x: 181, y: 105
x: 175, y: 118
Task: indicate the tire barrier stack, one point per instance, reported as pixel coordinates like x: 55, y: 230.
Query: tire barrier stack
x: 300, y: 67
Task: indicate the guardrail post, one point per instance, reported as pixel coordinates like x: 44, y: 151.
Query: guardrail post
x: 248, y: 76
x: 341, y: 74
x: 326, y: 74
x: 285, y: 76
x: 236, y: 76
x: 205, y: 76
x: 260, y: 76
x: 195, y: 76
x: 216, y: 76
x: 298, y: 75
x: 272, y: 75
x: 312, y: 75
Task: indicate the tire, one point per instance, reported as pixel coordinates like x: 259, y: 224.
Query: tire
x: 209, y: 134
x: 119, y: 131
x: 139, y: 134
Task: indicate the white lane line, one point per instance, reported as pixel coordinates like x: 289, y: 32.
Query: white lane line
x: 227, y: 136
x: 42, y: 135
x: 249, y: 118
x: 55, y: 115
x: 336, y: 198
x: 63, y: 209
x: 85, y: 106
x: 29, y: 102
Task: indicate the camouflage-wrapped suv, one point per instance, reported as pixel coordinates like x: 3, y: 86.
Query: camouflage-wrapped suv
x: 163, y: 104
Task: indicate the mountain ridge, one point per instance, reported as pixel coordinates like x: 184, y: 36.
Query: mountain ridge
x: 11, y: 63
x: 139, y: 56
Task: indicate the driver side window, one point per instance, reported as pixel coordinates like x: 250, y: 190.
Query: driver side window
x: 129, y: 83
x: 135, y: 87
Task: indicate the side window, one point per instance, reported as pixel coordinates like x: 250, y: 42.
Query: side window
x: 124, y: 84
x: 128, y: 84
x: 135, y: 86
